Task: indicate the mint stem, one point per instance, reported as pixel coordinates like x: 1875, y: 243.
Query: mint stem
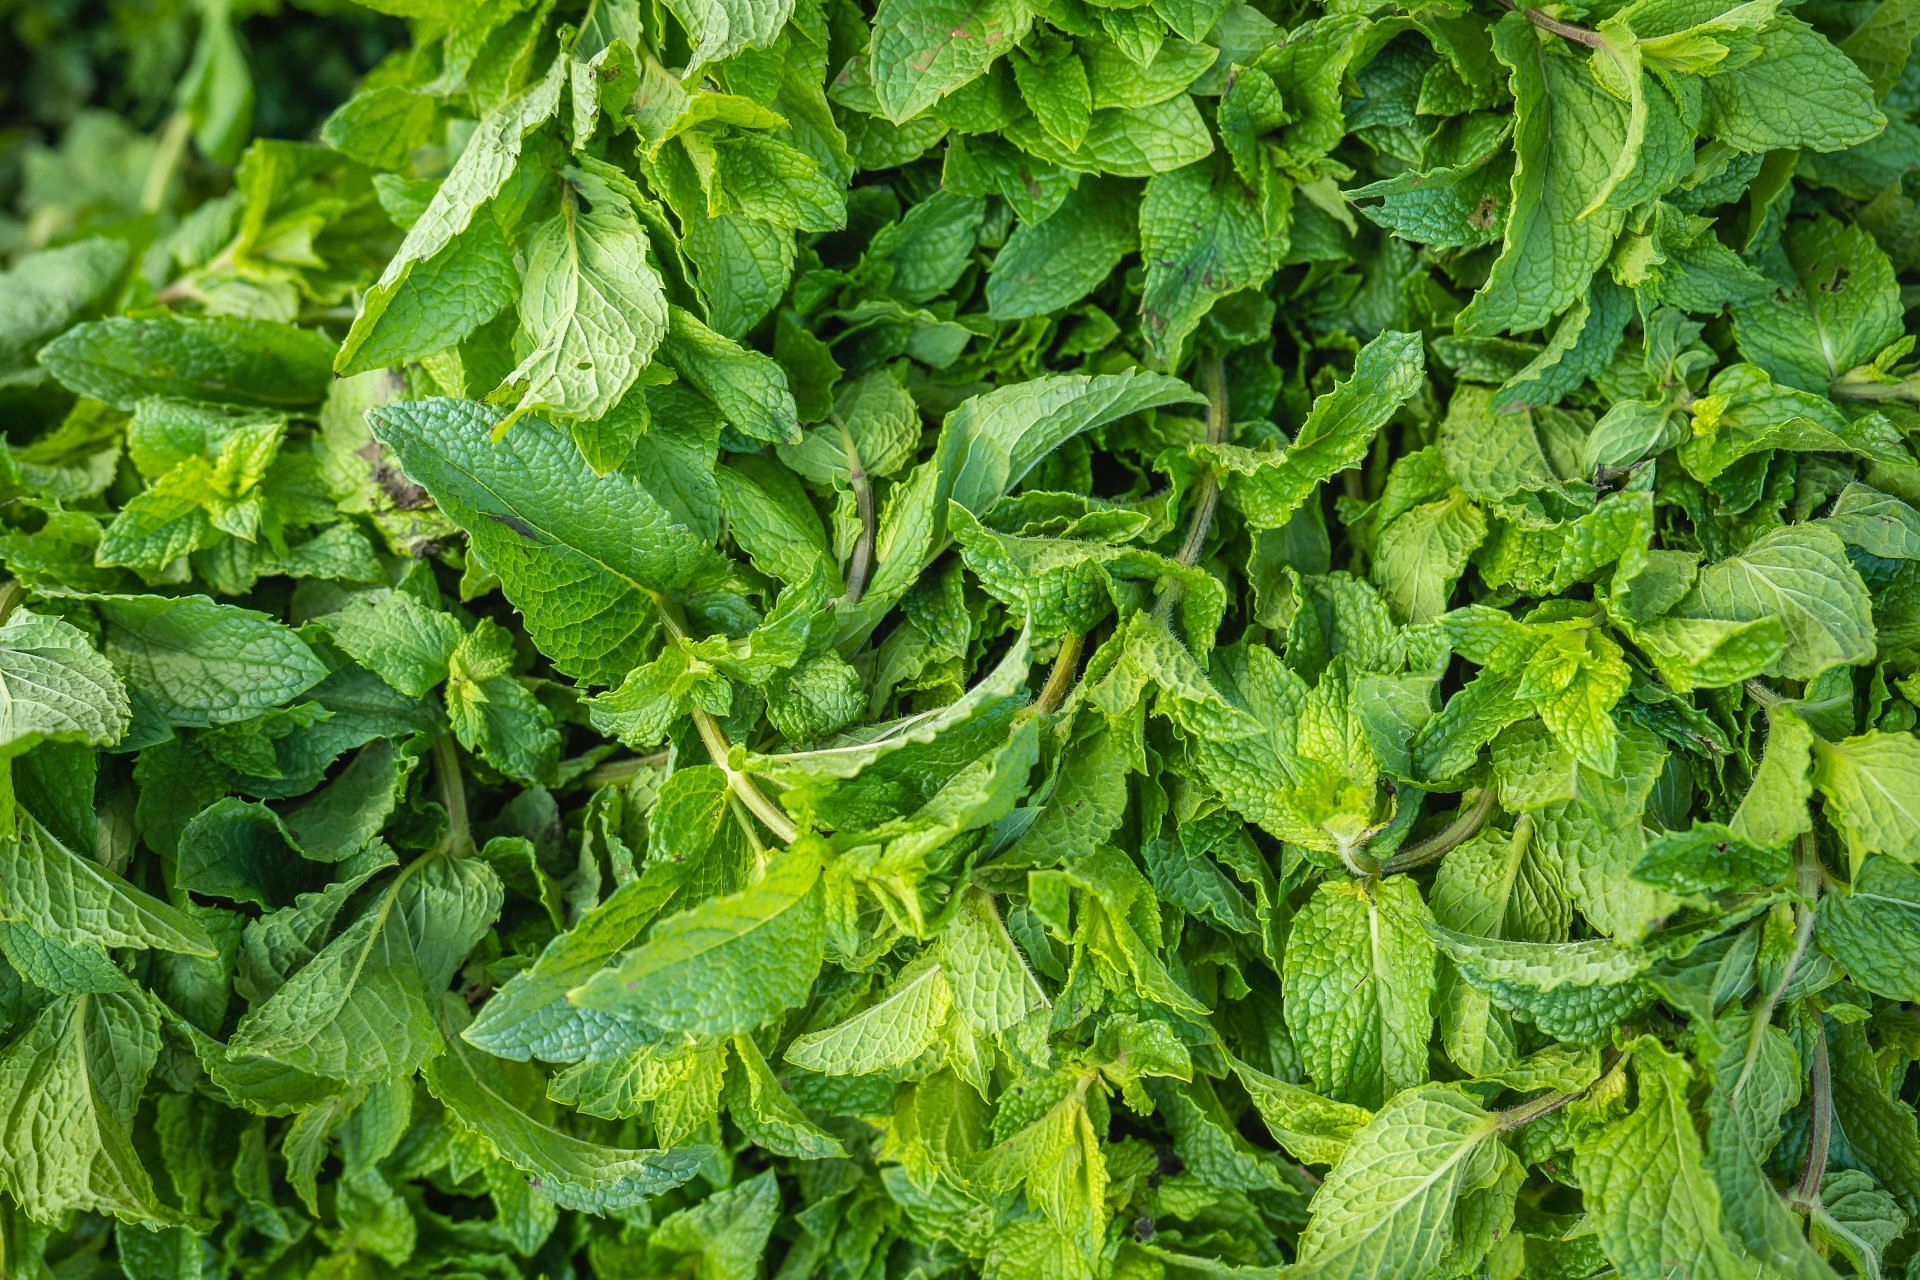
x: 1863, y: 384
x: 1807, y: 879
x: 720, y: 751
x: 1463, y: 828
x: 1565, y: 30
x: 714, y: 738
x: 10, y: 595
x: 453, y: 794
x: 860, y: 562
x: 1548, y: 1103
x: 1060, y: 679
x: 1806, y: 1193
x: 169, y: 150
x: 1207, y: 495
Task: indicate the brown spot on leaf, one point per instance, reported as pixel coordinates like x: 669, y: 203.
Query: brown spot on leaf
x: 518, y: 525
x: 403, y: 493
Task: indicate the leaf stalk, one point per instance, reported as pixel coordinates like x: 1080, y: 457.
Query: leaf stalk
x: 860, y: 561
x: 1060, y: 679
x: 720, y: 751
x: 1465, y: 826
x: 453, y: 794
x: 1806, y: 1192
x: 1214, y: 374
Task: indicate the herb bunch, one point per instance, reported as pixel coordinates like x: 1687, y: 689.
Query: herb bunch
x: 1148, y: 639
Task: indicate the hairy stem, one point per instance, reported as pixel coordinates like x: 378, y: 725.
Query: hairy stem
x: 714, y: 739
x: 1763, y: 695
x: 1806, y: 1192
x: 453, y: 794
x: 1207, y: 496
x: 1548, y: 1103
x: 1465, y: 825
x: 1565, y: 30
x: 1360, y: 864
x: 860, y: 563
x: 746, y: 825
x: 1862, y: 384
x: 720, y: 752
x: 1060, y: 679
x: 1807, y: 879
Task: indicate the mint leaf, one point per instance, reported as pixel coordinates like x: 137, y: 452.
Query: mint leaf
x: 923, y: 50
x: 741, y: 637
x: 1387, y: 1207
x: 227, y: 361
x: 618, y: 539
x: 727, y: 966
x: 57, y: 686
x: 1653, y: 1203
x: 1360, y: 968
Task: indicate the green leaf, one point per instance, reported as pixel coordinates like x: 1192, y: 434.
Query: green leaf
x: 69, y: 896
x: 443, y: 299
x: 1872, y: 788
x: 396, y: 637
x: 223, y: 360
x: 729, y: 965
x: 1856, y: 1219
x: 1872, y: 928
x: 1801, y: 576
x: 1843, y: 307
x: 196, y: 662
x: 1313, y: 1129
x: 1710, y: 858
x: 718, y: 29
x: 1203, y: 236
x: 891, y: 1032
x: 1774, y: 810
x: 483, y: 169
x: 55, y: 687
x: 992, y: 987
x: 1576, y: 991
x: 768, y: 1116
x: 69, y: 1087
x: 592, y: 309
x: 1051, y: 264
x: 749, y: 388
x: 1653, y: 1203
x: 1569, y: 133
x: 923, y: 50
x: 991, y: 441
x: 1797, y: 91
x: 529, y: 1016
x: 360, y: 1009
x: 494, y: 1100
x: 1423, y: 553
x: 1269, y: 488
x: 46, y: 291
x: 583, y: 573
x: 1359, y: 973
x: 1059, y: 1159
x: 1387, y: 1208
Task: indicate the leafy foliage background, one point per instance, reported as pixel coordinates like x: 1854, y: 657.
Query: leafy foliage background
x: 1023, y: 638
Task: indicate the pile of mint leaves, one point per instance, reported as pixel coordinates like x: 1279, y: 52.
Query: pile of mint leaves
x: 1037, y: 639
